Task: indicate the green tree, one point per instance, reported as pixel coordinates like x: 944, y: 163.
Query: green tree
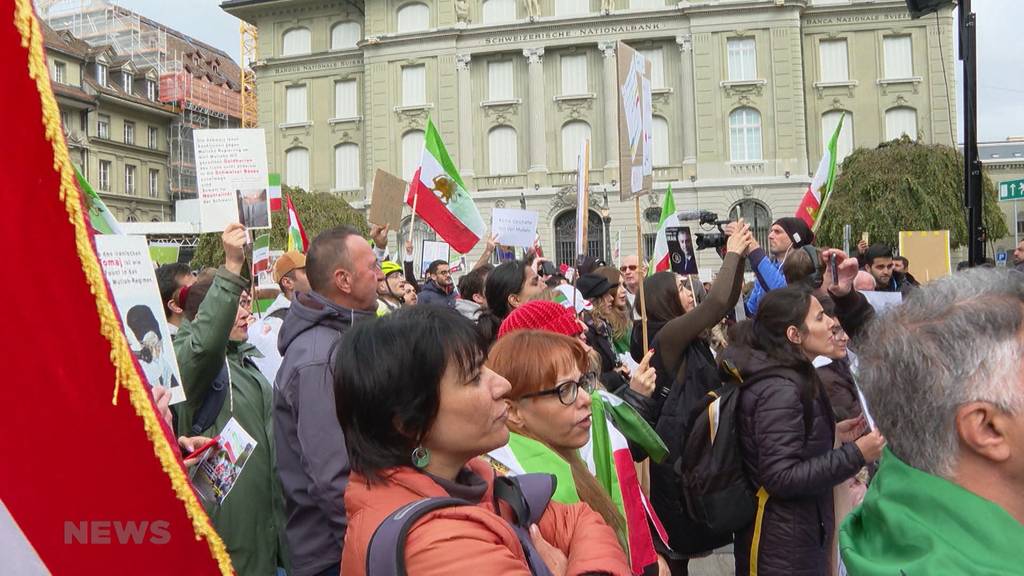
x: 904, y: 185
x: 318, y: 211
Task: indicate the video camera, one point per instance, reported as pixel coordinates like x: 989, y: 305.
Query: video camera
x: 707, y: 240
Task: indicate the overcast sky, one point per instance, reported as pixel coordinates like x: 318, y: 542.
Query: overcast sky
x: 1000, y: 46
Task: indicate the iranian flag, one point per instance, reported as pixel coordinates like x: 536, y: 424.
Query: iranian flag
x: 100, y: 218
x: 261, y: 254
x: 438, y: 194
x: 668, y: 219
x: 607, y: 455
x: 297, y: 240
x: 274, y: 181
x: 821, y: 185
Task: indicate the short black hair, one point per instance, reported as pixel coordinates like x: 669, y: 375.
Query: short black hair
x: 432, y: 269
x: 876, y: 251
x: 167, y: 281
x: 327, y: 253
x: 387, y: 402
x: 906, y: 263
x: 472, y: 282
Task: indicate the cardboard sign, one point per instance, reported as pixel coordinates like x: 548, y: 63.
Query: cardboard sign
x: 388, y: 199
x: 682, y: 258
x: 928, y: 253
x: 433, y: 250
x: 129, y: 272
x: 636, y: 163
x: 231, y: 175
x: 514, y: 227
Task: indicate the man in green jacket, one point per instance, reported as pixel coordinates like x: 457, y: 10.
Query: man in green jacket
x: 943, y: 377
x: 213, y: 336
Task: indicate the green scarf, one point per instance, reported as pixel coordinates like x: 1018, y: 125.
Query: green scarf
x: 912, y: 523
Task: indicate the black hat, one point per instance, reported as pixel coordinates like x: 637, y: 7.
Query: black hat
x: 585, y: 263
x: 797, y: 230
x: 594, y: 286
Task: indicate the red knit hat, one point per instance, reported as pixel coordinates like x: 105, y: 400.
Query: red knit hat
x: 541, y: 315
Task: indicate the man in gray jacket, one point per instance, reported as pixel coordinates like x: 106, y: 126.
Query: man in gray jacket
x: 312, y: 462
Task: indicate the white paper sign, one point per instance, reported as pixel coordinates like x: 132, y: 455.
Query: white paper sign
x: 216, y: 474
x: 433, y: 250
x: 882, y: 301
x: 231, y: 172
x: 514, y: 227
x: 129, y: 272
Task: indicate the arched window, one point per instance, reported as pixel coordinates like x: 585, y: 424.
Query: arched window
x: 412, y: 152
x: 345, y: 35
x: 422, y: 232
x: 296, y: 171
x: 565, y: 237
x: 844, y: 144
x: 503, y: 150
x: 295, y: 41
x: 346, y: 167
x: 132, y: 218
x: 757, y: 215
x: 573, y: 135
x: 571, y: 7
x: 495, y: 11
x: 899, y: 121
x: 744, y: 135
x: 413, y: 17
x: 660, y: 144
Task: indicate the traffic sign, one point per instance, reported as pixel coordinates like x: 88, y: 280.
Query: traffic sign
x: 1011, y: 190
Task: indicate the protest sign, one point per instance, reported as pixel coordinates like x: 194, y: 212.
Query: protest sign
x: 928, y: 253
x: 388, y: 199
x: 215, y: 475
x: 231, y: 172
x: 433, y: 250
x: 164, y: 252
x: 514, y: 227
x: 636, y: 168
x: 882, y: 301
x: 129, y: 272
x: 680, y: 250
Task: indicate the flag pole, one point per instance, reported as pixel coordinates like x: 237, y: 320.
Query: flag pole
x: 640, y: 246
x: 412, y: 219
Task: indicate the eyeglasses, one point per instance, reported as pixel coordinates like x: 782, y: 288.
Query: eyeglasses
x: 630, y: 268
x: 568, y: 391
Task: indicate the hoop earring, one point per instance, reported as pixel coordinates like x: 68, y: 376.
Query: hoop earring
x: 420, y: 457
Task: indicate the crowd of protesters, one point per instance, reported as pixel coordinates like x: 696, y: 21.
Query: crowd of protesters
x: 518, y: 421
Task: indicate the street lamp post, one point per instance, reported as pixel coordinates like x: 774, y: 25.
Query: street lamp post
x: 606, y: 217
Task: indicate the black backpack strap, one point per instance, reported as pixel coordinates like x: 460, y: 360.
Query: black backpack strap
x: 385, y: 555
x: 212, y: 403
x: 527, y: 494
x: 280, y: 314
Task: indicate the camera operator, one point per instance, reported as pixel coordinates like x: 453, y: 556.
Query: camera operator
x: 786, y: 235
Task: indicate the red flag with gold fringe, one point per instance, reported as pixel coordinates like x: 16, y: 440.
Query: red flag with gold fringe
x: 90, y: 483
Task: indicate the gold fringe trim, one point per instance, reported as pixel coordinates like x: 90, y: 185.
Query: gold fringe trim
x: 110, y: 327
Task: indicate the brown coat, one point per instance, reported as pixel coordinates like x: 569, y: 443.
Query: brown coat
x: 471, y: 539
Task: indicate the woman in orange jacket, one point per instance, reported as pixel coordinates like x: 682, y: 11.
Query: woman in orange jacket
x: 415, y: 424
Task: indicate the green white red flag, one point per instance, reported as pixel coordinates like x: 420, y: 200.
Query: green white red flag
x: 668, y: 219
x: 821, y: 184
x: 261, y: 254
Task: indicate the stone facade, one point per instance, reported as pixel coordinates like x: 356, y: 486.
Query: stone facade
x: 742, y: 100
x: 1004, y: 161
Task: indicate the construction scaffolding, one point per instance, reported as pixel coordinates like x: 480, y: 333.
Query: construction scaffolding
x: 99, y: 22
x: 249, y: 43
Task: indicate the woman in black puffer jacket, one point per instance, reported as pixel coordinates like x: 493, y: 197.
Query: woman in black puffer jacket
x: 787, y: 432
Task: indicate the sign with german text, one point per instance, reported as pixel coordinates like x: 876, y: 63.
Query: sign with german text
x: 636, y: 163
x: 231, y: 174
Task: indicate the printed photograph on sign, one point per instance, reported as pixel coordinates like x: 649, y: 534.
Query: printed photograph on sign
x: 680, y: 250
x: 253, y: 208
x: 218, y: 471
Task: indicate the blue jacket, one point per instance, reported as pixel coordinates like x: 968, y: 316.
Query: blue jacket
x: 768, y: 277
x: 434, y: 294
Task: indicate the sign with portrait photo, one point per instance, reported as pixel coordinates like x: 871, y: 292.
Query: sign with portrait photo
x: 682, y: 258
x: 231, y: 175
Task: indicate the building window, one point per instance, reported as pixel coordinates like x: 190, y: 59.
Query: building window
x: 413, y: 17
x: 295, y: 41
x: 103, y: 126
x: 345, y: 99
x: 641, y: 4
x: 504, y: 150
x: 129, y: 132
x: 899, y: 121
x: 495, y: 11
x: 83, y: 122
x: 657, y: 66
x: 571, y: 7
x: 151, y: 90
x: 345, y: 35
x: 129, y: 179
x: 60, y: 72
x: 154, y: 183
x: 127, y: 82
x: 573, y: 135
x: 296, y: 163
x: 574, y: 74
x: 832, y: 56
x: 412, y: 152
x: 154, y: 137
x: 295, y: 105
x: 660, y: 144
x: 105, y: 175
x: 757, y: 215
x: 65, y: 120
x: 499, y: 81
x: 745, y: 135
x: 346, y: 167
x: 101, y: 74
x: 899, y: 58
x: 565, y: 237
x: 742, y: 59
x: 414, y: 85
x: 844, y: 144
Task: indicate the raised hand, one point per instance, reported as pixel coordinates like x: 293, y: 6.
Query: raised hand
x: 644, y: 377
x: 379, y: 234
x: 233, y: 239
x: 847, y: 268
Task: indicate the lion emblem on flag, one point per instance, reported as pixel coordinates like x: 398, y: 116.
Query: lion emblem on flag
x: 444, y: 188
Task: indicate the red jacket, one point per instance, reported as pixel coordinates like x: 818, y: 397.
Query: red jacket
x: 471, y: 539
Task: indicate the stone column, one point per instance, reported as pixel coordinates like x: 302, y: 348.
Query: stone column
x: 466, y: 157
x: 689, y: 119
x: 611, y: 111
x: 537, y: 106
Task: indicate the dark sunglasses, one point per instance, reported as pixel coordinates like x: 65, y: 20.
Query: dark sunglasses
x: 627, y: 268
x: 568, y: 391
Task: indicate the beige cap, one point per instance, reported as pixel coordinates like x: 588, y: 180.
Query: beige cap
x: 286, y: 263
